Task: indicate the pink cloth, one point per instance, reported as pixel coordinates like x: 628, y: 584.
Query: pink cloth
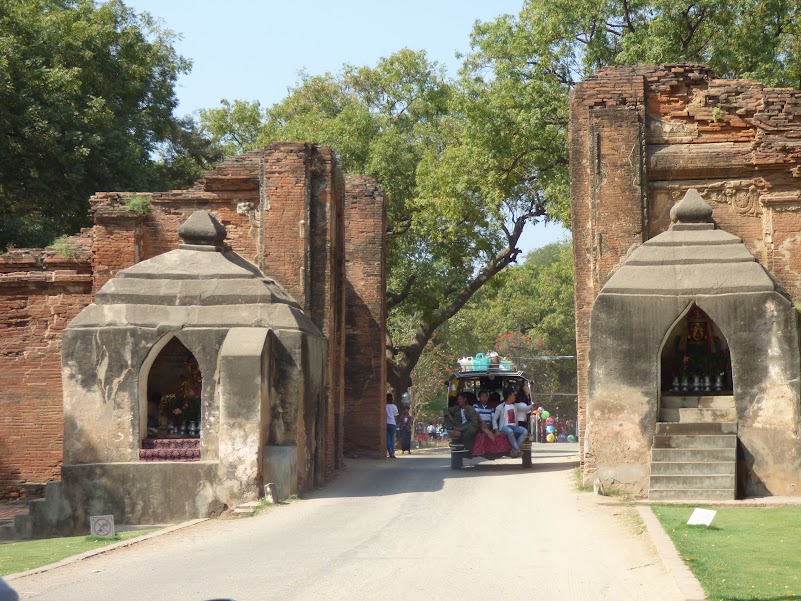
x: 484, y: 445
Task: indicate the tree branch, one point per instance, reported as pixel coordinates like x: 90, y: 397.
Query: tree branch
x: 396, y: 298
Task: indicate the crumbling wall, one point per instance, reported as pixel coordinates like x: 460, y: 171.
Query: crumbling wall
x: 40, y: 292
x: 640, y: 137
x: 283, y: 207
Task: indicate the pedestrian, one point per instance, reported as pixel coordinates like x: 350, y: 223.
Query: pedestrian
x: 406, y: 423
x: 392, y: 413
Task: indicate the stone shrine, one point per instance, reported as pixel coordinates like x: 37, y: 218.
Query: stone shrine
x: 686, y: 207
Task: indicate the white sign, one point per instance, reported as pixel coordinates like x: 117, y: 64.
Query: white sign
x: 701, y: 517
x: 101, y: 525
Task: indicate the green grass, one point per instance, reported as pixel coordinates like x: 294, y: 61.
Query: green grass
x: 27, y: 555
x: 747, y: 554
x: 139, y: 205
x: 65, y: 247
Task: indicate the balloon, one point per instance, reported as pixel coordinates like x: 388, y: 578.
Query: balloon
x: 571, y: 438
x: 550, y: 438
x: 540, y: 410
x: 561, y: 438
x: 549, y: 421
x: 549, y: 429
x: 545, y: 415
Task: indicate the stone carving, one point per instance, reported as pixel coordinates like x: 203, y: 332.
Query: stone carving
x: 742, y: 196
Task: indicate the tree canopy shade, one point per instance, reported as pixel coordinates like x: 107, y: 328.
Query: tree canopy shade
x: 86, y: 101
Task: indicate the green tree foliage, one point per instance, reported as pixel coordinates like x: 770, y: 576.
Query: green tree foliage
x: 86, y: 102
x: 468, y: 162
x: 465, y: 163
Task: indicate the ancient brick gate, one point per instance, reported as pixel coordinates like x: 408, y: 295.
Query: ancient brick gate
x: 289, y: 210
x: 640, y: 137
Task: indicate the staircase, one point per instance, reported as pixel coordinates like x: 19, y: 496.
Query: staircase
x: 694, y: 456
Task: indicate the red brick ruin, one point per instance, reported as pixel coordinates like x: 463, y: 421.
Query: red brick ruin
x: 640, y: 137
x: 289, y: 210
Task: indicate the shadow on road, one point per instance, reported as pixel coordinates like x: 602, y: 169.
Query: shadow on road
x: 427, y: 471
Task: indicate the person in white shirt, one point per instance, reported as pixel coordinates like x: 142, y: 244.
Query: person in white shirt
x: 504, y: 420
x: 392, y: 425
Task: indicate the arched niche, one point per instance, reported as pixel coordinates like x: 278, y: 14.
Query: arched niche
x: 695, y: 357
x: 170, y: 385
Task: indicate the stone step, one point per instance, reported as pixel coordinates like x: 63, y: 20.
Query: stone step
x: 693, y: 455
x: 684, y: 494
x: 676, y: 468
x: 720, y: 441
x: 701, y: 415
x: 696, y: 429
x: 687, y: 481
x: 709, y: 402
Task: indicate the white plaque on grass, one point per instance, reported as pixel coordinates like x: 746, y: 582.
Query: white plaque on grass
x: 701, y: 517
x: 101, y: 525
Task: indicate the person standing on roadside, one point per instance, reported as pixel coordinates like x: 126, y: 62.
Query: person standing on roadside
x: 392, y: 414
x: 406, y: 423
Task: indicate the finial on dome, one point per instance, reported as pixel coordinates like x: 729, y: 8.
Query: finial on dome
x: 691, y: 209
x: 201, y: 232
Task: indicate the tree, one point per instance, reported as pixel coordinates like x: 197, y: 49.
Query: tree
x: 464, y: 163
x: 528, y: 311
x: 86, y: 102
x: 568, y: 40
x: 469, y: 162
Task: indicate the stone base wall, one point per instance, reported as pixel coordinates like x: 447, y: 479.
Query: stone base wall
x: 284, y: 209
x: 640, y: 137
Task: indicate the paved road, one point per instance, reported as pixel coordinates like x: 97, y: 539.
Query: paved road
x: 404, y: 529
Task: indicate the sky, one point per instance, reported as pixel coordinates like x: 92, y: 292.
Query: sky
x: 254, y: 50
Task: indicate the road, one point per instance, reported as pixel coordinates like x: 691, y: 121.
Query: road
x: 404, y: 529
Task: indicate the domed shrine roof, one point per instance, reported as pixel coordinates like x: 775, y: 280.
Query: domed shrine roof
x: 199, y: 283
x: 692, y: 257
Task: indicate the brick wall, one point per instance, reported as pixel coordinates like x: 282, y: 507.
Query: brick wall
x: 40, y: 292
x: 365, y: 320
x: 284, y: 209
x: 640, y: 137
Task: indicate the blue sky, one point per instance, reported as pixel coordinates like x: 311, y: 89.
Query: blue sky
x: 253, y: 50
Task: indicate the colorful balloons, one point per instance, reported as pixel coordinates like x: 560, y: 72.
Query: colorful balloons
x: 545, y: 415
x: 549, y: 429
x: 540, y: 410
x: 561, y: 438
x: 571, y: 438
x: 549, y: 421
x: 550, y: 438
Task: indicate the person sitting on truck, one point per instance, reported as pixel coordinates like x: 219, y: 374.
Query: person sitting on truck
x: 461, y: 421
x: 485, y: 411
x: 504, y: 420
x: 523, y: 397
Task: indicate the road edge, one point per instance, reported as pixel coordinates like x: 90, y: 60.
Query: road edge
x: 100, y: 550
x: 685, y: 580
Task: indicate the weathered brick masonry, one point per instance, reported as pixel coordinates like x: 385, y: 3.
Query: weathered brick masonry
x: 640, y: 137
x: 39, y: 294
x: 284, y: 208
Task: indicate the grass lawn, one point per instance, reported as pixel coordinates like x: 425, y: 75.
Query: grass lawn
x: 26, y: 555
x: 747, y: 554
